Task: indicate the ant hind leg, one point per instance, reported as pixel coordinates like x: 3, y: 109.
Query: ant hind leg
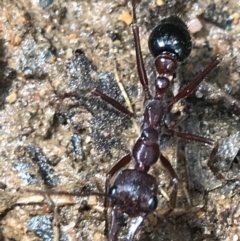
x: 167, y: 166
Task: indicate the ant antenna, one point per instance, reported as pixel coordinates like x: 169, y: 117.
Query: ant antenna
x: 140, y: 65
x: 76, y: 194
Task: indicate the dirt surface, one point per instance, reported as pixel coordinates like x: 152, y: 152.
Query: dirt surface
x: 50, y: 48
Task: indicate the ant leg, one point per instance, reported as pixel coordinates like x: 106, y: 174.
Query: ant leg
x: 135, y: 224
x: 167, y: 165
x: 211, y: 165
x: 122, y: 89
x: 74, y: 94
x: 230, y: 102
x: 187, y: 90
x: 114, y: 103
x: 191, y: 137
x: 163, y: 218
x: 140, y: 66
x: 120, y: 164
x: 127, y: 100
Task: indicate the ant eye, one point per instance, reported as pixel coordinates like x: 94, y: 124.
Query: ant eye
x: 113, y: 191
x: 152, y: 203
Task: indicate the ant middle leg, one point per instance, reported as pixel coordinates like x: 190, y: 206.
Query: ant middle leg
x: 192, y: 137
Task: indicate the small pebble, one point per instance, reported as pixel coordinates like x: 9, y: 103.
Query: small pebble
x: 72, y: 36
x: 49, y: 29
x: 15, y: 40
x: 36, y: 97
x: 235, y: 17
x: 52, y: 59
x: 177, y: 107
x: 235, y: 237
x: 69, y: 53
x: 98, y: 237
x: 88, y: 139
x: 11, y: 98
x: 200, y: 214
x: 194, y: 25
x: 92, y: 200
x: 45, y: 3
x: 159, y: 2
x: 126, y: 18
x: 99, y: 209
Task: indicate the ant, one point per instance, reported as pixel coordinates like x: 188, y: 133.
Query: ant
x: 134, y: 191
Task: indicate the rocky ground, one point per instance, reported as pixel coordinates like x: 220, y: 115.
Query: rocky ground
x: 49, y: 48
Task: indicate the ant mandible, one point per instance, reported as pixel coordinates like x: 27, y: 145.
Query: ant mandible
x: 134, y: 191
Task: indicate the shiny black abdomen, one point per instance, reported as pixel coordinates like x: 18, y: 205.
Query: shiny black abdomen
x: 171, y: 36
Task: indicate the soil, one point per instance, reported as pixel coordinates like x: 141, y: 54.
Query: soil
x: 55, y: 135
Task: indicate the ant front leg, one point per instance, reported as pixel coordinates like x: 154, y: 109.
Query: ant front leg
x: 121, y: 163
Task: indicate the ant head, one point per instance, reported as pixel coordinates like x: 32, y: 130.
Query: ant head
x: 134, y: 192
x: 171, y: 36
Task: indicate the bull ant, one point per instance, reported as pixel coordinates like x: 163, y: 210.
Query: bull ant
x: 134, y: 191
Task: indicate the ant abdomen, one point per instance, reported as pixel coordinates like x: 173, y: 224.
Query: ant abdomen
x: 171, y: 36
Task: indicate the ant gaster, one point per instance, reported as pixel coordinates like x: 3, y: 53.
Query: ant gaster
x: 134, y: 191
